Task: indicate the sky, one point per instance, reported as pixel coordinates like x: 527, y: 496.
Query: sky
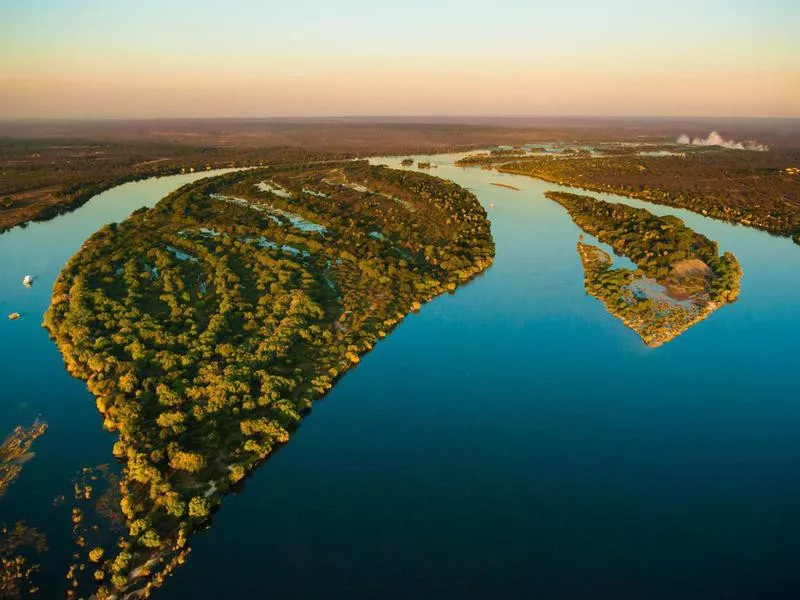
x: 248, y: 58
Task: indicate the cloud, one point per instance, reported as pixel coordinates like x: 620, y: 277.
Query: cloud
x: 715, y: 139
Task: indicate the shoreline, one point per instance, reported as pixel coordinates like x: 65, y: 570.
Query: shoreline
x: 159, y: 546
x: 653, y: 340
x: 794, y: 237
x: 38, y: 213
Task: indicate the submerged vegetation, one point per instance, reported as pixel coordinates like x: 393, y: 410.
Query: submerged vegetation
x: 680, y: 277
x: 206, y: 326
x: 19, y: 544
x: 15, y: 451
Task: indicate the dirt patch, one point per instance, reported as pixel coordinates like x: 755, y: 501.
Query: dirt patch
x: 691, y: 267
x: 688, y: 279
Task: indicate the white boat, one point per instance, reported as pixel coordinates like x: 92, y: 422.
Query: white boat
x: 28, y: 280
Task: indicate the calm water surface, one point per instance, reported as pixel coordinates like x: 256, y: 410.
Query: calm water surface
x: 33, y: 379
x: 512, y: 440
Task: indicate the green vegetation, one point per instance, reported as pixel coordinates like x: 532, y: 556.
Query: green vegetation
x: 20, y: 544
x: 207, y: 325
x: 15, y: 451
x: 680, y: 278
x: 97, y: 523
x: 41, y: 179
x: 751, y: 188
x: 17, y: 545
x: 493, y: 157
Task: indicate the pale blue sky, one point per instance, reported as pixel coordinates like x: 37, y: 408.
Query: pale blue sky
x: 249, y: 58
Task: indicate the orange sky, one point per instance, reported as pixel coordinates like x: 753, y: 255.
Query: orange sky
x: 91, y: 59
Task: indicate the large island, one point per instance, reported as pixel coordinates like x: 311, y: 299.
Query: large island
x: 206, y: 326
x: 680, y: 277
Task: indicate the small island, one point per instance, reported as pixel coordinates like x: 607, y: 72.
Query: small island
x: 680, y: 277
x: 208, y: 325
x: 15, y: 452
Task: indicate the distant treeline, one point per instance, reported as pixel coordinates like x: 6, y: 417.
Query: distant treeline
x: 40, y: 179
x: 757, y: 189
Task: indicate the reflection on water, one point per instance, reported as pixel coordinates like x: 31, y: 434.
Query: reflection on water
x: 21, y: 546
x: 510, y: 440
x: 34, y: 381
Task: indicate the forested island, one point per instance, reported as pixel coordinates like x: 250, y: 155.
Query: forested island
x: 206, y: 326
x: 680, y: 277
x: 756, y: 189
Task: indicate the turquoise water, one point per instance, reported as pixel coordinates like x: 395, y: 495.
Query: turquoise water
x: 512, y: 440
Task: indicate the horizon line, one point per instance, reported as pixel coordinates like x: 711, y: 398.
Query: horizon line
x: 392, y: 116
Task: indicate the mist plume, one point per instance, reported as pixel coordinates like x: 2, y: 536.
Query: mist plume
x: 715, y: 139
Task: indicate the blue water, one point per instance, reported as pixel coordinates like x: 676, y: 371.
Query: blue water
x: 512, y: 440
x: 33, y: 380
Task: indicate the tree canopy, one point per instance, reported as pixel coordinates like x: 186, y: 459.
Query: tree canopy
x: 207, y: 325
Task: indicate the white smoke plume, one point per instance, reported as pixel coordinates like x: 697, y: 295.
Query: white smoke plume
x: 715, y: 139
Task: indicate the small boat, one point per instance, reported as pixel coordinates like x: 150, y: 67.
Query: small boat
x: 491, y: 205
x: 14, y: 316
x: 28, y: 280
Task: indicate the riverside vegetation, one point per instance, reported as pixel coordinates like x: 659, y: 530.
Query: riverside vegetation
x: 680, y: 277
x: 756, y: 189
x: 41, y: 179
x: 206, y: 326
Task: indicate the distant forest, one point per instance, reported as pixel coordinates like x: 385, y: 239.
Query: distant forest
x: 757, y: 189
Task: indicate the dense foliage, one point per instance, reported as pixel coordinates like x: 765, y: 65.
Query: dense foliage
x: 206, y: 326
x: 40, y: 179
x: 493, y: 157
x: 680, y: 277
x: 756, y: 189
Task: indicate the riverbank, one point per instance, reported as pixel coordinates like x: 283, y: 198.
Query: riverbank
x: 679, y: 279
x: 491, y: 367
x: 672, y: 321
x: 287, y: 296
x: 42, y: 179
x: 36, y: 384
x: 753, y: 189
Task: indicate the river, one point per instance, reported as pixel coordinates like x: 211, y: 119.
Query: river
x: 511, y: 440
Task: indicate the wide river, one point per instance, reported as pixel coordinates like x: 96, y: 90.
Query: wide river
x: 512, y: 440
